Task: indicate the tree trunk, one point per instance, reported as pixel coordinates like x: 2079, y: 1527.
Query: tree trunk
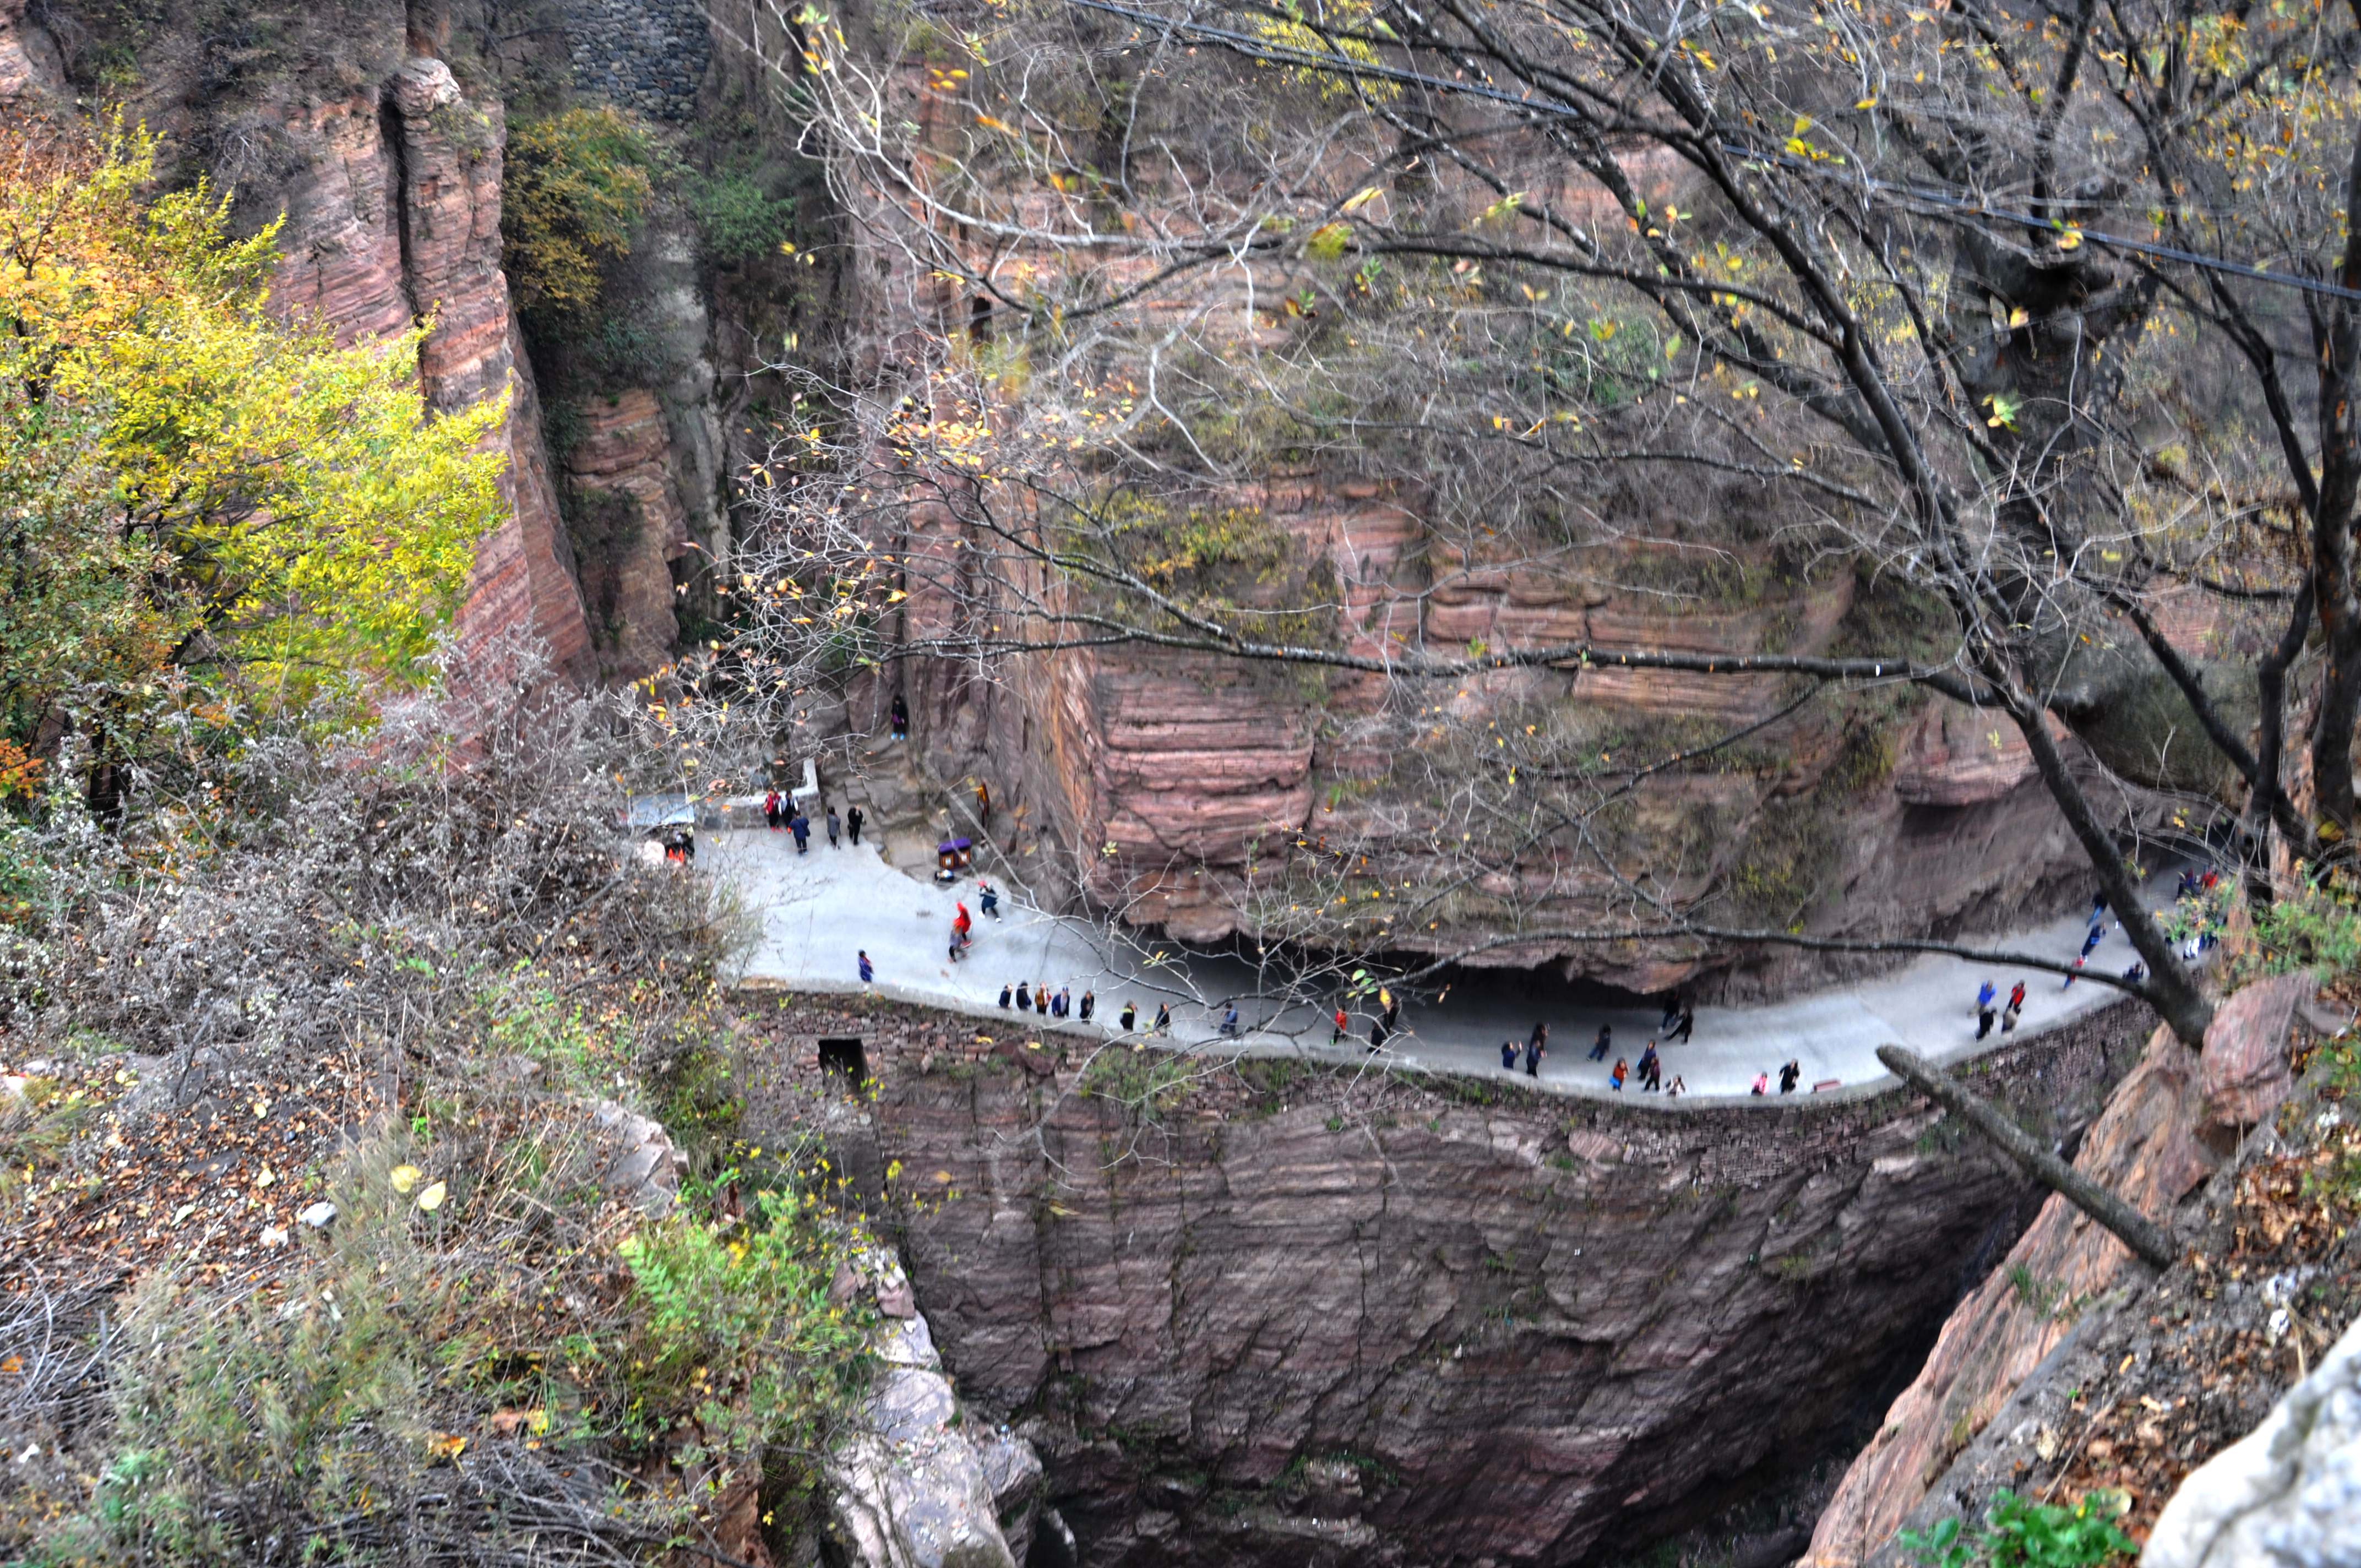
x: 2170, y: 989
x: 2147, y: 1240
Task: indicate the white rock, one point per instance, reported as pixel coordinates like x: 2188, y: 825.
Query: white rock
x: 318, y: 1215
x: 912, y: 1490
x: 2286, y: 1495
x: 647, y: 1167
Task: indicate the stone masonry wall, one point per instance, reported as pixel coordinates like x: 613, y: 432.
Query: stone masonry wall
x: 648, y: 55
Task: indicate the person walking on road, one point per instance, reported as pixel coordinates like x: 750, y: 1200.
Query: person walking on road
x: 868, y: 970
x: 771, y: 810
x: 1762, y: 1083
x: 1615, y: 1075
x: 1536, y: 1047
x: 1985, y: 995
x: 833, y: 823
x: 988, y: 897
x: 1024, y: 997
x: 2075, y: 970
x: 1339, y: 1027
x: 1605, y: 1043
x: 2014, y: 1010
x: 1128, y: 1017
x: 1004, y: 998
x: 1163, y: 1017
x: 1089, y: 1002
x: 1789, y: 1076
x: 1509, y: 1056
x: 1672, y: 1015
x: 1651, y: 1068
x: 1377, y: 1035
x: 852, y: 821
x: 2090, y: 943
x: 1678, y: 1087
x: 1230, y: 1019
x: 800, y: 826
x: 1688, y: 1022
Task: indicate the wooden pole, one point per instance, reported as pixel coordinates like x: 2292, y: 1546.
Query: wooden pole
x: 2147, y: 1239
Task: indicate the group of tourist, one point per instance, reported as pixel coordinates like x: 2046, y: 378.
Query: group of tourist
x: 1677, y: 1026
x: 2192, y: 899
x: 1026, y: 998
x: 781, y: 814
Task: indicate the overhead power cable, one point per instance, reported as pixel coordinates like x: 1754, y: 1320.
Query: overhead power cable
x: 1944, y: 201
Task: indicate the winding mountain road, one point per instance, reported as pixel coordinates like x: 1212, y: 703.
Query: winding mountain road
x: 818, y: 910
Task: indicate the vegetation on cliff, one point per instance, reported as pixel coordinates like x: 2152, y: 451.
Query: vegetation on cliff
x: 1501, y: 312
x: 205, y: 505
x: 331, y: 1008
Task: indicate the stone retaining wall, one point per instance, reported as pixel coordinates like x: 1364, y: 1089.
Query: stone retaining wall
x: 647, y: 55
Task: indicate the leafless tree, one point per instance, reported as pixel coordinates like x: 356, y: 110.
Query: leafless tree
x: 2007, y: 310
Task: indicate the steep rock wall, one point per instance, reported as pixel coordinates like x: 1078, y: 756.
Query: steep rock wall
x: 1168, y: 789
x: 386, y: 168
x: 1278, y: 1314
x: 2165, y: 1131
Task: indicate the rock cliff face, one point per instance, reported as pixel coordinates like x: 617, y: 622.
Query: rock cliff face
x: 1165, y: 788
x: 2144, y: 1148
x: 1278, y: 1314
x: 2163, y: 1132
x: 628, y: 514
x: 387, y: 169
x: 449, y: 163
x: 1157, y: 786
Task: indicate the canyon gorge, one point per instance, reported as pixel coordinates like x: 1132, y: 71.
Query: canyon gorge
x: 1156, y: 1309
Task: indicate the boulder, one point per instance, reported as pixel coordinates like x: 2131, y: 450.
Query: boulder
x: 2286, y: 1495
x: 645, y: 1166
x: 1013, y: 1472
x: 2244, y: 1071
x: 29, y: 64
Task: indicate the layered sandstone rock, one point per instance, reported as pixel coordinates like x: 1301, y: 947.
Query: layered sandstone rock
x: 2163, y: 1132
x: 2244, y: 1075
x: 632, y: 524
x: 386, y: 172
x: 450, y: 161
x: 2145, y: 1148
x: 1279, y: 1316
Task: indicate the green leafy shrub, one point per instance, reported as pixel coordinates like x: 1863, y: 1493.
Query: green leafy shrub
x: 2020, y: 1534
x: 579, y: 185
x: 2306, y: 926
x: 738, y: 220
x: 736, y: 1317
